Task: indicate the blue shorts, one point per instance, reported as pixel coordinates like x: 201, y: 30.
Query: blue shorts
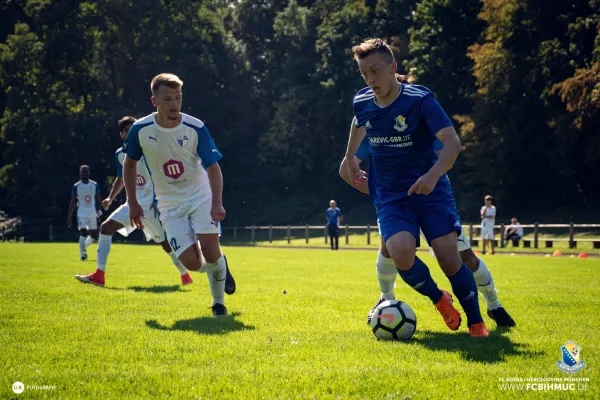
x: 434, y: 214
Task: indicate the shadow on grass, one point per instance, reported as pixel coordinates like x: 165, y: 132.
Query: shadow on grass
x: 155, y: 289
x: 204, y: 325
x: 495, y: 348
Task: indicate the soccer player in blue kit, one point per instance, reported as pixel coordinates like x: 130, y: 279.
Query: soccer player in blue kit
x: 407, y: 180
x: 386, y: 270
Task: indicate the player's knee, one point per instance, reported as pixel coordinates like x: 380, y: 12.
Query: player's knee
x: 384, y: 251
x: 83, y: 232
x: 165, y: 245
x: 192, y: 265
x: 404, y: 258
x: 108, y: 227
x: 469, y: 258
x: 449, y: 262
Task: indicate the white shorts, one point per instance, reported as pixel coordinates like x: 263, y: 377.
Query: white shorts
x: 462, y: 242
x: 183, y: 223
x: 152, y: 228
x: 90, y: 222
x: 487, y: 232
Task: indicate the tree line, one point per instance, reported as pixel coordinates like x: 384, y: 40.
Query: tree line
x: 274, y: 80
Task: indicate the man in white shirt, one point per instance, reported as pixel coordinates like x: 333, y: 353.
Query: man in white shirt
x: 488, y: 217
x: 188, y: 185
x: 118, y: 221
x: 85, y: 194
x: 514, y: 231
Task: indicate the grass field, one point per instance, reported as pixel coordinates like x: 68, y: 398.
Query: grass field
x: 297, y: 329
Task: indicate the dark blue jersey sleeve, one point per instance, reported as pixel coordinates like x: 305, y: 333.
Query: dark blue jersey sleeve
x: 434, y: 115
x: 132, y: 144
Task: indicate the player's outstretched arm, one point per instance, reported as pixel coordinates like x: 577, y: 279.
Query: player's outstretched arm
x: 215, y: 178
x: 114, y: 192
x: 136, y: 213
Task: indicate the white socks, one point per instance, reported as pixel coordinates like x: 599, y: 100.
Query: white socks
x: 88, y: 240
x: 104, y: 242
x: 485, y: 284
x: 182, y: 270
x: 386, y: 274
x: 81, y: 245
x: 216, y: 280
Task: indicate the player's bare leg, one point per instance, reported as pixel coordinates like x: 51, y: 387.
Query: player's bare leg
x: 186, y: 279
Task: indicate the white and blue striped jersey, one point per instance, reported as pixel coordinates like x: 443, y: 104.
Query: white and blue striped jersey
x: 86, y: 198
x: 144, y: 187
x: 177, y: 158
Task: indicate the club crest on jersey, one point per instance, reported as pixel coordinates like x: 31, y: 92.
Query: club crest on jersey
x: 368, y: 125
x: 182, y: 140
x: 400, y: 123
x: 87, y: 199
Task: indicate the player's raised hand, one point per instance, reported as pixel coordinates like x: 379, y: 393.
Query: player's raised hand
x: 136, y: 213
x: 106, y: 203
x: 217, y: 213
x: 424, y: 185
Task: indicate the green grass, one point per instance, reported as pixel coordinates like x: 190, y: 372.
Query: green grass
x: 145, y: 337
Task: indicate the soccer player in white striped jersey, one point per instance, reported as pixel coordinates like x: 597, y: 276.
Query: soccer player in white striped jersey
x: 118, y: 221
x: 183, y: 163
x: 86, y: 196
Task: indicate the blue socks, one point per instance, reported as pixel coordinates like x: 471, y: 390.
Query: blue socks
x: 419, y: 278
x: 465, y: 290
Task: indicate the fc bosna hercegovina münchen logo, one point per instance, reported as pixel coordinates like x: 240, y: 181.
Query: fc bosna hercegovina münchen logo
x: 571, y: 358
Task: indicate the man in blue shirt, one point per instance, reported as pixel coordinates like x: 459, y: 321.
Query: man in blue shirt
x: 407, y: 179
x: 386, y: 270
x: 334, y: 217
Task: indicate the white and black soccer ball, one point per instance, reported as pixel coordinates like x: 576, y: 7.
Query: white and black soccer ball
x: 393, y: 320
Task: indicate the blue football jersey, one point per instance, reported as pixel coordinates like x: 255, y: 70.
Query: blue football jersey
x: 401, y: 138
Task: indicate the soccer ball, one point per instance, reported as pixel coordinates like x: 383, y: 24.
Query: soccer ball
x: 393, y: 320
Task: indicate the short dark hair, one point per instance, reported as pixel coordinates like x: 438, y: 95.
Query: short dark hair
x: 125, y: 122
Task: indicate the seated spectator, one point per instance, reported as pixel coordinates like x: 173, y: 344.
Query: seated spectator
x: 514, y: 232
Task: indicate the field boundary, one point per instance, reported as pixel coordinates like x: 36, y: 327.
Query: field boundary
x: 499, y: 252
